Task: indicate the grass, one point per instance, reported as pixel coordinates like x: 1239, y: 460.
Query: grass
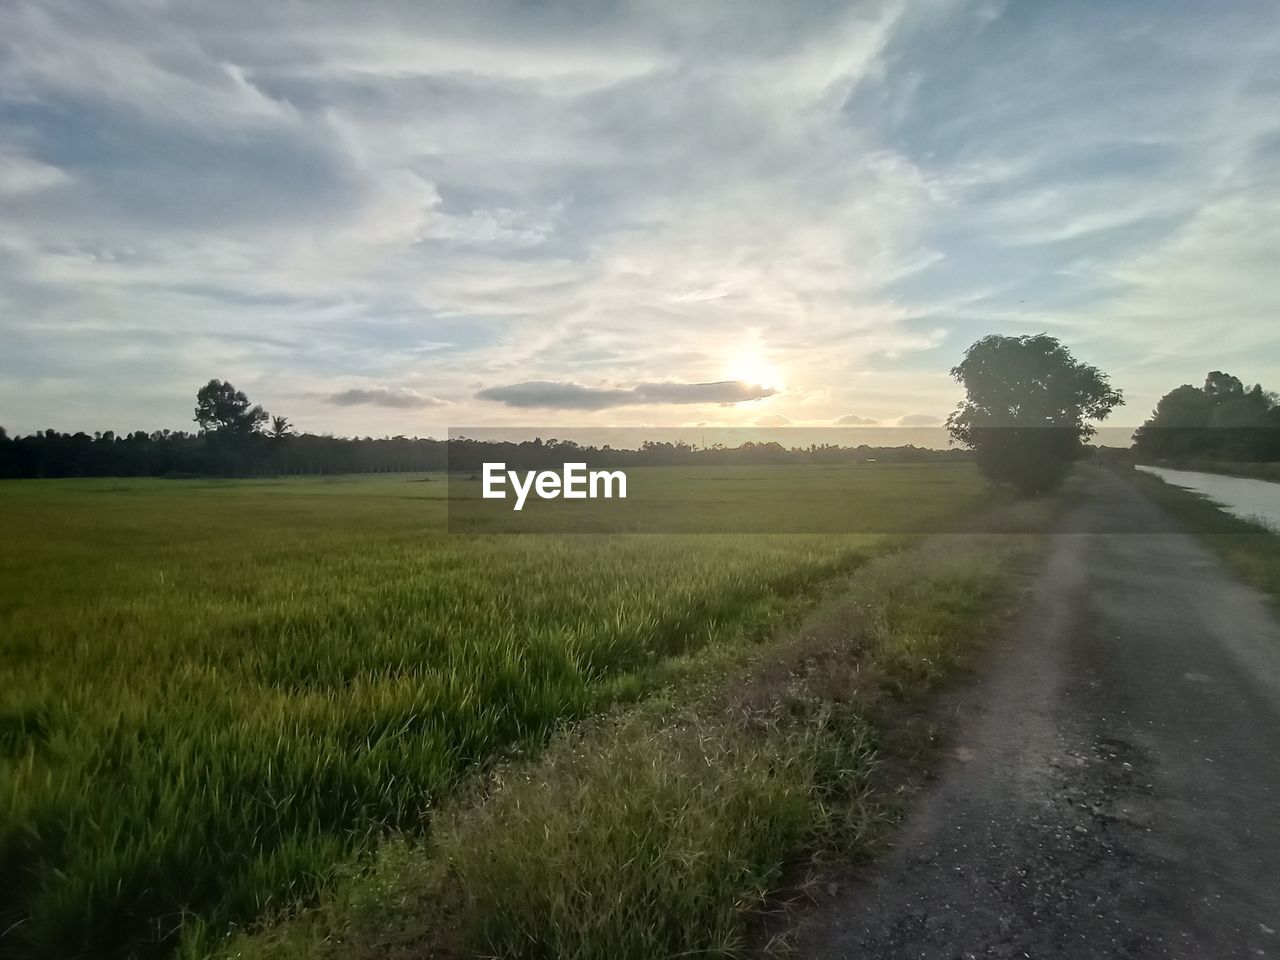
x: 851, y: 498
x: 216, y: 692
x: 1249, y: 549
x: 655, y: 832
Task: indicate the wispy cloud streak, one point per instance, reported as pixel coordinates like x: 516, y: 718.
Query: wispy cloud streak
x: 500, y: 206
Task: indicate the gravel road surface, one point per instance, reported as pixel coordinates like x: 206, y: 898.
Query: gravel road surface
x: 1113, y: 789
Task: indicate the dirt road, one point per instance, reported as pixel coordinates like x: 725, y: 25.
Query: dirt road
x: 1114, y: 786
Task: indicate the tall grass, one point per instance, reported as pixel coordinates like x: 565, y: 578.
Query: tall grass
x: 213, y: 692
x: 655, y: 832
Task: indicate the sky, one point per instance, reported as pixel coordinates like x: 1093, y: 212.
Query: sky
x: 400, y: 218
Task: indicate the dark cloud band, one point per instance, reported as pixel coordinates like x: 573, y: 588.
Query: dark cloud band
x: 563, y: 395
x: 401, y: 398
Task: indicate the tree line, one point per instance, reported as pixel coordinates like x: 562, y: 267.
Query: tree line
x: 1030, y: 405
x: 1026, y: 418
x: 239, y: 439
x: 1223, y: 420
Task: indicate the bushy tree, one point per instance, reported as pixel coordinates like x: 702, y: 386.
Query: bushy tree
x: 1027, y: 409
x: 1219, y: 386
x: 1222, y: 420
x: 222, y: 409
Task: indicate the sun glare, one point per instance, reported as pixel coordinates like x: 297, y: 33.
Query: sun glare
x: 751, y: 366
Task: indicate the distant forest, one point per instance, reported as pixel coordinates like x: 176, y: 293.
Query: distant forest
x: 236, y: 439
x: 178, y: 454
x: 1221, y: 421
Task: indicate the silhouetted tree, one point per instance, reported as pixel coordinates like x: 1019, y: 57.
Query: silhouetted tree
x: 1027, y: 408
x: 222, y: 409
x: 281, y: 428
x: 1220, y: 386
x: 230, y: 427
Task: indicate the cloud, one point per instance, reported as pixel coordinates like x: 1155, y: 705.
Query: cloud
x: 21, y: 175
x: 853, y: 420
x: 773, y: 420
x: 611, y: 199
x: 399, y: 398
x: 720, y: 391
x: 556, y: 394
x: 919, y: 420
x: 563, y: 395
x: 446, y: 195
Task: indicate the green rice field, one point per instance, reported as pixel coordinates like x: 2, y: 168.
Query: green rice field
x: 213, y: 692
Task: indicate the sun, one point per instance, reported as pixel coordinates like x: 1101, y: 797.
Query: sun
x: 752, y: 366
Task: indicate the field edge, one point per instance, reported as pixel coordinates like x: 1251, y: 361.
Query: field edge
x: 672, y: 825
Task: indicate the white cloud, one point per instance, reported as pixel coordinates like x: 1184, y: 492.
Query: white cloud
x: 919, y: 420
x: 23, y: 175
x: 317, y: 199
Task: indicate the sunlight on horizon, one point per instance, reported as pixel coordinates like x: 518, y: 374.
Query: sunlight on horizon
x: 752, y: 366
